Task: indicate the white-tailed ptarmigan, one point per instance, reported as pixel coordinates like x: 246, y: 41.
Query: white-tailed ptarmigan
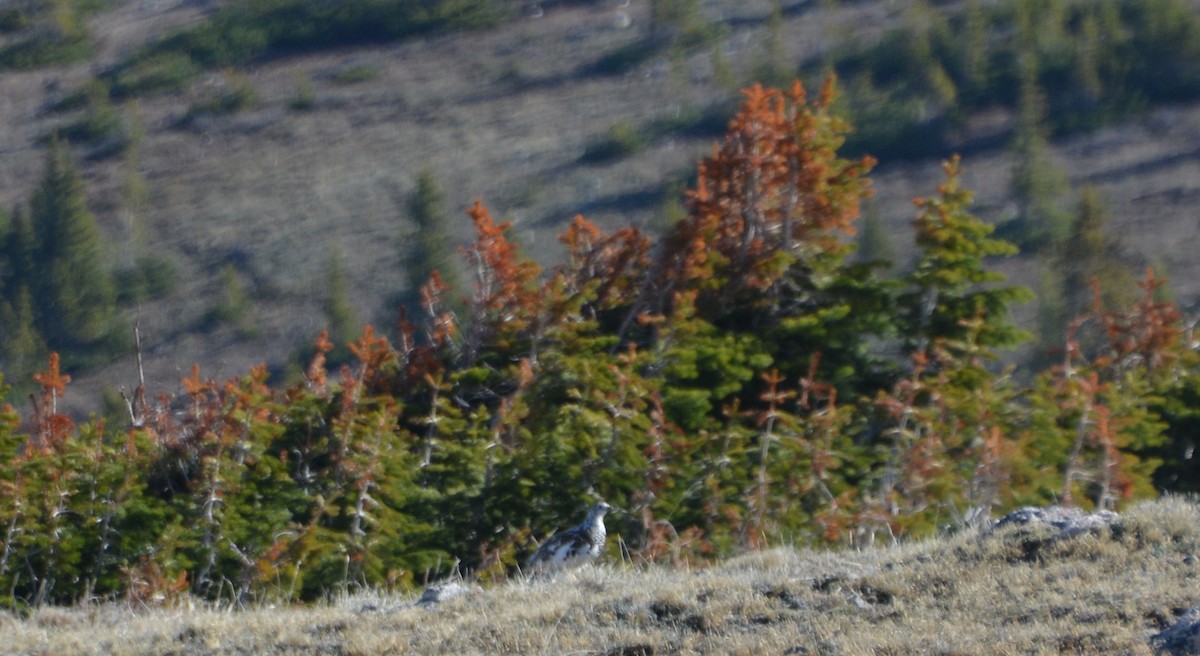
x: 574, y: 546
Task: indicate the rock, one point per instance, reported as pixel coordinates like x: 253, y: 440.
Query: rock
x: 1032, y: 537
x: 1181, y: 638
x: 1069, y: 521
x: 445, y: 591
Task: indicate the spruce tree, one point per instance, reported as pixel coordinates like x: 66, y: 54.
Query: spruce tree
x: 1038, y: 184
x: 74, y: 293
x: 430, y: 251
x: 773, y: 68
x: 874, y: 243
x: 1053, y: 316
x: 1087, y: 64
x: 973, y: 42
x: 950, y: 287
x: 22, y: 349
x: 1166, y: 38
x: 18, y: 254
x: 763, y: 247
x: 1087, y: 256
x: 1090, y: 252
x: 343, y: 324
x: 927, y: 30
x: 673, y: 21
x: 235, y: 307
x: 135, y: 195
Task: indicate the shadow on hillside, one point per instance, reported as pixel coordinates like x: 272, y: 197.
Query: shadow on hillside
x: 628, y: 201
x: 1144, y: 167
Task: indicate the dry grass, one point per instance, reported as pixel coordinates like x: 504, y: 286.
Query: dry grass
x: 1015, y: 592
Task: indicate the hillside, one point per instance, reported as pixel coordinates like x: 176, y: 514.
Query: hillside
x: 738, y: 373
x: 1022, y: 590
x: 505, y: 114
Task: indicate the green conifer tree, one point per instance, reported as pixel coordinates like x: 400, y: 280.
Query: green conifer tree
x: 1053, y: 316
x: 1091, y: 252
x: 973, y: 44
x: 135, y: 195
x: 1166, y: 38
x: 927, y: 30
x: 13, y: 500
x: 874, y: 242
x: 75, y: 297
x: 950, y: 287
x: 773, y: 67
x: 66, y: 21
x: 343, y: 324
x: 22, y: 349
x: 235, y: 307
x: 431, y: 250
x: 452, y: 454
x: 1038, y: 184
x: 673, y: 21
x: 18, y: 254
x: 1087, y: 63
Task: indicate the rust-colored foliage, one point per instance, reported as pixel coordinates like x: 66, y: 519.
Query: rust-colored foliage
x: 315, y: 377
x: 507, y: 297
x: 146, y: 584
x: 443, y: 326
x: 774, y: 194
x: 1082, y: 394
x: 53, y: 382
x: 197, y: 387
x: 422, y: 363
x: 948, y: 433
x: 1147, y: 334
x: 247, y: 395
x: 824, y: 425
x: 374, y: 353
x: 1105, y: 393
x: 51, y: 430
x: 613, y: 263
x: 474, y: 427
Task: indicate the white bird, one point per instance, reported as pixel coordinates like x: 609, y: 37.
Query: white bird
x: 573, y: 547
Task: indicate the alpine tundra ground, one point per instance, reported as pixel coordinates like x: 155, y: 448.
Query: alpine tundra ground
x: 1013, y: 591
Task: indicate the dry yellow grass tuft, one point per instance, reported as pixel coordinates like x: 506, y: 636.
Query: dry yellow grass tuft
x: 1016, y: 591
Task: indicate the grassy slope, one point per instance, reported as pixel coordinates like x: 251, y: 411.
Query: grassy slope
x: 1015, y: 592
x: 505, y: 115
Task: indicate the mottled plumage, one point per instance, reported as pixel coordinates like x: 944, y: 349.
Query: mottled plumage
x: 572, y: 547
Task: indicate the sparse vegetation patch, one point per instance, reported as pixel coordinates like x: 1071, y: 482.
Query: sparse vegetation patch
x: 1098, y: 62
x: 46, y: 33
x: 240, y: 32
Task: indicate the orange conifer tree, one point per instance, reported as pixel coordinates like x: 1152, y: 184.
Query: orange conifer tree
x: 774, y: 196
x: 505, y: 302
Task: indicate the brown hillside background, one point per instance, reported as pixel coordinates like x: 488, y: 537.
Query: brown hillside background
x: 505, y: 115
